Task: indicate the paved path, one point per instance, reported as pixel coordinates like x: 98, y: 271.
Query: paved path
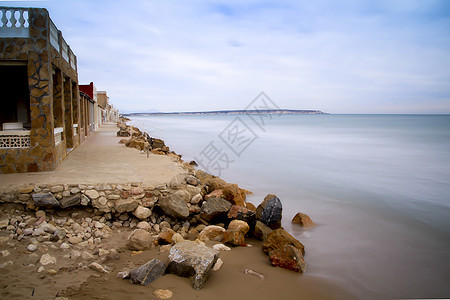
x: 101, y: 159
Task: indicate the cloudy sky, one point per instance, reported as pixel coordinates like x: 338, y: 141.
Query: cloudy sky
x: 336, y: 56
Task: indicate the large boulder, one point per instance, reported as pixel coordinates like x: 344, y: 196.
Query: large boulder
x: 279, y: 238
x: 45, y: 200
x: 231, y: 191
x: 261, y: 231
x: 237, y: 212
x: 303, y: 220
x: 175, y: 206
x: 288, y: 257
x: 212, y: 232
x: 140, y: 240
x: 203, y: 176
x: 147, y: 273
x: 190, y: 259
x: 235, y: 234
x: 215, y: 209
x: 270, y: 211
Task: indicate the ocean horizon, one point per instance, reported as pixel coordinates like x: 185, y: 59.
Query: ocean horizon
x: 378, y: 186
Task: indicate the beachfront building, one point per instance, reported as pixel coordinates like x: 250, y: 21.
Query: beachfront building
x: 40, y: 117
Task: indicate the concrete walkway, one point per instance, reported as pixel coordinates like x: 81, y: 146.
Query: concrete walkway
x: 101, y: 159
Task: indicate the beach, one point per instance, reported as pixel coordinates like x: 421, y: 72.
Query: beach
x: 93, y: 237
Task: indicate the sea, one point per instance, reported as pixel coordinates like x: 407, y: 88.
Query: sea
x: 377, y: 186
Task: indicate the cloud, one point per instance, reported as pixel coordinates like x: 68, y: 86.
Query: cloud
x: 346, y: 56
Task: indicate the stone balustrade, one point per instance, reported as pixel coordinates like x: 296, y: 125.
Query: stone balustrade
x: 14, y: 22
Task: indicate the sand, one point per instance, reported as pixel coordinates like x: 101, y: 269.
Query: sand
x: 99, y: 160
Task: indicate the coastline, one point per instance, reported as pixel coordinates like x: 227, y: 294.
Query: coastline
x: 95, y: 285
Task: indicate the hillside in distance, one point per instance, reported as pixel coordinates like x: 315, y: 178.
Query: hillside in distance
x: 234, y: 112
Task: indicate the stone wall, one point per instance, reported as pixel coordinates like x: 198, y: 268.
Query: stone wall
x: 40, y: 58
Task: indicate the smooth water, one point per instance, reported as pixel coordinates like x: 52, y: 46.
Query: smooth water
x: 378, y: 186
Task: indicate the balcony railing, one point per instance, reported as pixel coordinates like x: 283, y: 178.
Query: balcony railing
x: 14, y: 22
x: 15, y: 139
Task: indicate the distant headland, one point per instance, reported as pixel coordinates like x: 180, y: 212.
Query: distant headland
x: 234, y: 112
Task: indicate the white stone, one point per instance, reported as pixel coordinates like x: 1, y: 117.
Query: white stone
x: 57, y: 189
x: 64, y: 246
x: 144, y: 225
x: 218, y: 265
x: 75, y: 190
x: 92, y: 194
x: 5, y: 253
x: 31, y: 247
x: 75, y: 240
x: 142, y: 212
x: 4, y: 223
x: 84, y: 200
x: 74, y: 254
x: 98, y: 267
x: 196, y: 199
x: 221, y: 247
x: 47, y: 259
x: 102, y: 201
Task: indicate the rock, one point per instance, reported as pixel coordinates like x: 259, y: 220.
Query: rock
x: 56, y: 189
x: 31, y: 247
x: 303, y: 220
x: 215, y: 194
x: 137, y: 190
x: 75, y: 240
x: 288, y: 257
x: 177, y: 238
x: 218, y: 265
x: 48, y: 227
x: 98, y: 267
x: 123, y: 274
x: 193, y: 190
x: 59, y: 234
x: 40, y: 214
x: 142, y: 213
x: 4, y: 223
x: 70, y: 201
x: 261, y: 231
x: 163, y: 294
x: 183, y: 194
x: 85, y: 255
x: 92, y: 194
x: 147, y: 273
x: 270, y: 211
x: 189, y: 259
x: 221, y: 247
x: 177, y: 182
x: 196, y: 199
x: 192, y: 180
x: 215, y: 209
x: 165, y: 237
x: 203, y: 176
x: 212, y: 232
x: 235, y: 234
x: 27, y: 190
x: 64, y: 246
x: 144, y: 225
x: 45, y: 200
x: 279, y: 238
x: 85, y: 200
x: 174, y: 206
x: 140, y: 240
x: 241, y: 213
x: 5, y: 253
x: 231, y: 192
x: 254, y: 273
x: 126, y: 205
x: 47, y: 259
x: 74, y: 254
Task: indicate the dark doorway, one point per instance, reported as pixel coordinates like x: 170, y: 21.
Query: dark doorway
x: 14, y: 95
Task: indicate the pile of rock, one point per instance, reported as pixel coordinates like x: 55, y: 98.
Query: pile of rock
x: 195, y: 206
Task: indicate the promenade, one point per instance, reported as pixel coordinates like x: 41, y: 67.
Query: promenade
x: 101, y: 159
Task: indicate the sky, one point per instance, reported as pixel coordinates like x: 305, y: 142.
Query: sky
x: 343, y: 56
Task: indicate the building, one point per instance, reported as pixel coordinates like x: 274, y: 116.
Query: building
x: 41, y: 117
